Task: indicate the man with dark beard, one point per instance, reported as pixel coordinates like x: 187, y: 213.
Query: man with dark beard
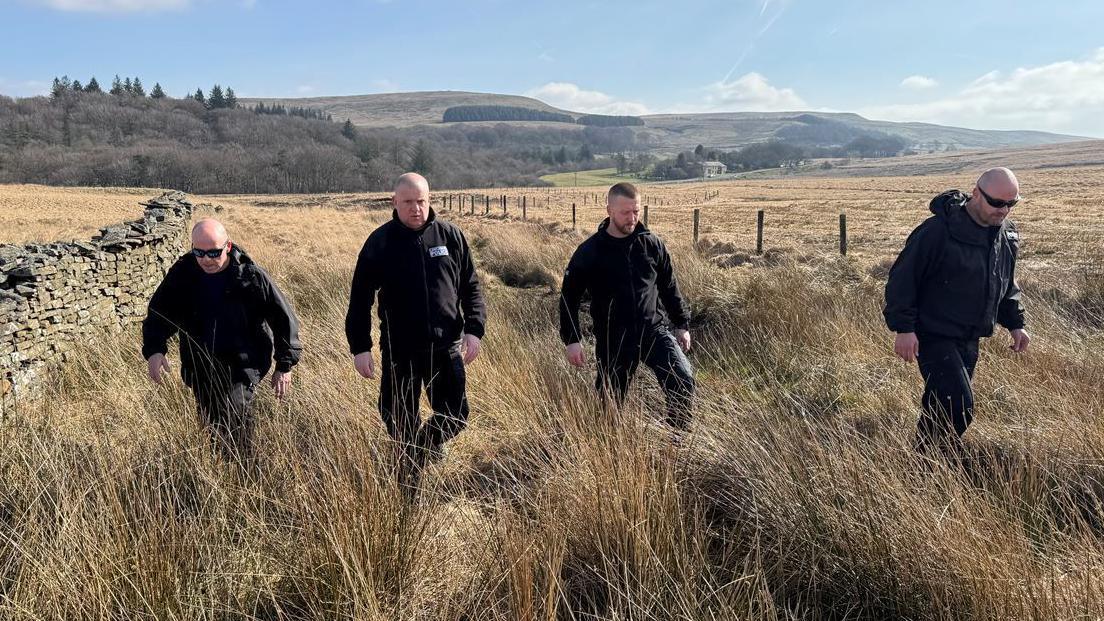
x: 627, y: 271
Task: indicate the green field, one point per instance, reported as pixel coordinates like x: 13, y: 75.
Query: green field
x: 598, y: 176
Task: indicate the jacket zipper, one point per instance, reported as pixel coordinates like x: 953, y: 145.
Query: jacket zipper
x: 425, y: 287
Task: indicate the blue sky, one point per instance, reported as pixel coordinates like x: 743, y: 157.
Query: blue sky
x: 983, y: 64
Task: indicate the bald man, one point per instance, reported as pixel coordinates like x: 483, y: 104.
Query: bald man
x: 232, y: 320
x: 432, y: 318
x: 953, y: 282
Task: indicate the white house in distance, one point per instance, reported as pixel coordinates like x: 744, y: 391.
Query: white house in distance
x: 712, y: 169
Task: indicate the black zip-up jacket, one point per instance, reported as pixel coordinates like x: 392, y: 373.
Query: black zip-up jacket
x: 254, y: 320
x: 627, y: 279
x: 954, y: 278
x: 429, y: 293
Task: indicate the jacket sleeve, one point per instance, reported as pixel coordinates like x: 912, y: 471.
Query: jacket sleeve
x: 1010, y: 312
x: 162, y: 315
x: 575, y: 283
x: 471, y: 293
x: 284, y: 324
x: 366, y: 281
x: 912, y: 267
x: 677, y: 308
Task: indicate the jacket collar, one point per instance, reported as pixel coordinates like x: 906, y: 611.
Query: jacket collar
x: 430, y: 219
x: 603, y: 230
x: 950, y: 207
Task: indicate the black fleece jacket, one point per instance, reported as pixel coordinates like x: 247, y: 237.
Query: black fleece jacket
x: 429, y: 293
x: 955, y: 278
x: 628, y: 279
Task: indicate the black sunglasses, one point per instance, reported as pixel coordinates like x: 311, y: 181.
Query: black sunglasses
x: 996, y: 203
x: 210, y: 254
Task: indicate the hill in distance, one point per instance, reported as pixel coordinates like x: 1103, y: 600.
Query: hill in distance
x: 668, y: 133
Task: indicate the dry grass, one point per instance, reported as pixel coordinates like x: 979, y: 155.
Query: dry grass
x: 795, y: 497
x: 38, y: 213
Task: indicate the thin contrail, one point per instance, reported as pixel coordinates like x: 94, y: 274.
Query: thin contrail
x: 751, y: 44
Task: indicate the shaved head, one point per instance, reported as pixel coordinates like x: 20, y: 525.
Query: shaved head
x: 411, y: 200
x: 412, y: 180
x: 999, y: 183
x: 210, y: 234
x: 997, y: 190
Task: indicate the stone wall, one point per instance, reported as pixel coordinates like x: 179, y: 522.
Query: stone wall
x: 51, y: 295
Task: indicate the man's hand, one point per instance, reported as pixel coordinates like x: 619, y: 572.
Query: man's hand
x: 471, y: 345
x: 281, y: 383
x: 683, y: 339
x: 906, y: 346
x: 574, y: 353
x: 157, y: 364
x: 364, y: 365
x: 1020, y: 340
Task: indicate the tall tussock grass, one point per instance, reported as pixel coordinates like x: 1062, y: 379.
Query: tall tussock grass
x: 795, y: 496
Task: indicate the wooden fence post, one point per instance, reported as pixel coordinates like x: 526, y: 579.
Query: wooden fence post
x: 697, y: 217
x: 759, y: 232
x: 843, y: 233
x: 645, y: 216
x: 572, y: 216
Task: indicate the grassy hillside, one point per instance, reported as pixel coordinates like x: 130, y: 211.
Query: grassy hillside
x: 668, y: 132
x: 402, y: 109
x: 731, y: 130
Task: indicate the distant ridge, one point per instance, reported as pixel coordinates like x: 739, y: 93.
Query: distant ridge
x: 668, y: 133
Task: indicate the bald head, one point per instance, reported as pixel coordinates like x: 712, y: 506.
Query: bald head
x: 999, y: 183
x: 412, y: 180
x: 996, y: 192
x: 209, y: 234
x: 411, y: 200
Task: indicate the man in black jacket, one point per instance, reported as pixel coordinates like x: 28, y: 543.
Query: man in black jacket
x: 432, y: 318
x: 953, y: 282
x: 231, y: 318
x: 628, y: 273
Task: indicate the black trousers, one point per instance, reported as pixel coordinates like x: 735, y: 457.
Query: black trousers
x: 224, y: 411
x: 660, y: 353
x: 441, y: 372
x: 947, y: 366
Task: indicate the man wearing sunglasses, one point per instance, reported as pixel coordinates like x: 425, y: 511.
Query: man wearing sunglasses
x: 953, y: 282
x: 232, y: 320
x: 432, y: 318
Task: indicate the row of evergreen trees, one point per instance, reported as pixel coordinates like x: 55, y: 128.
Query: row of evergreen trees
x: 300, y: 111
x: 217, y: 98
x: 134, y: 88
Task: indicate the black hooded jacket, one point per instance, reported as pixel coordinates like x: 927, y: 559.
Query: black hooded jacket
x: 253, y: 317
x: 429, y: 293
x: 628, y: 279
x: 954, y: 278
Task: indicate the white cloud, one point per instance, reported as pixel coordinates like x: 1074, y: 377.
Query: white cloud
x: 545, y: 57
x: 304, y: 89
x: 26, y: 88
x: 570, y: 97
x: 751, y: 92
x: 919, y: 82
x: 383, y: 86
x: 1066, y: 96
x: 115, y: 6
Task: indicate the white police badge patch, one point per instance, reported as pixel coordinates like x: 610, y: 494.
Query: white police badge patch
x: 438, y: 251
